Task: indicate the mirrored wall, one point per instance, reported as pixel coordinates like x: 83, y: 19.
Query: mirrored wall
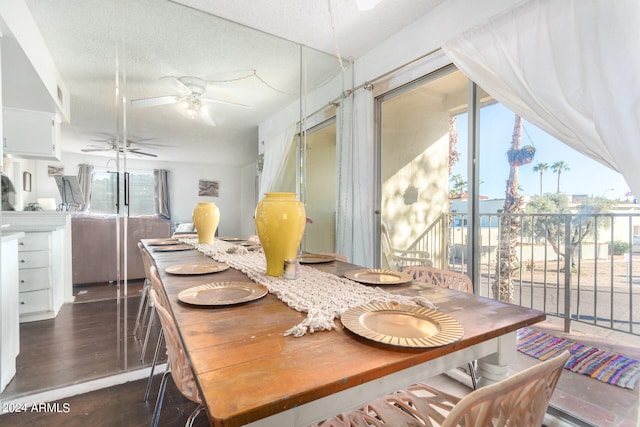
x: 154, y: 86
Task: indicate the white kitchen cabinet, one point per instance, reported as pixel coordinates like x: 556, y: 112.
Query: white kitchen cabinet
x: 41, y: 295
x: 9, y: 317
x: 44, y: 262
x: 31, y: 134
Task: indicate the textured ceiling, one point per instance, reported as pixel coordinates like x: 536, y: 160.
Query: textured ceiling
x: 309, y: 22
x: 148, y: 39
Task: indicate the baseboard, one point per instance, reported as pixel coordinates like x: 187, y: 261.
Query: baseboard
x: 80, y: 388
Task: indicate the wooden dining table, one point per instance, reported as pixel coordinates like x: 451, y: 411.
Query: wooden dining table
x: 250, y: 373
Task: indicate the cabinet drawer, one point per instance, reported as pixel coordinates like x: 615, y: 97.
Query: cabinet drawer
x: 34, y: 242
x: 34, y: 279
x: 31, y: 302
x: 33, y: 259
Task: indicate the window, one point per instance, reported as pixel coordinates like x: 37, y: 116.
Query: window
x: 141, y: 198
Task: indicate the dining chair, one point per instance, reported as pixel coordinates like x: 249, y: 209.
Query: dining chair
x: 397, y: 259
x: 520, y: 400
x: 440, y: 277
x: 178, y: 367
x: 150, y: 273
x: 156, y: 284
x: 144, y: 297
x: 145, y: 323
x: 445, y: 279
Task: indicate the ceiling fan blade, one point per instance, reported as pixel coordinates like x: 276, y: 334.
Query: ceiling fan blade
x: 146, y: 144
x: 141, y: 153
x: 220, y: 101
x: 88, y: 150
x: 156, y: 100
x: 206, y: 117
x: 177, y: 83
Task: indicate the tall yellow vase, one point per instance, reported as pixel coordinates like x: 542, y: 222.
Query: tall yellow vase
x: 206, y: 217
x: 280, y: 221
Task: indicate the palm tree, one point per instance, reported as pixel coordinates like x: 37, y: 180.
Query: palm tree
x: 507, y: 264
x: 542, y: 168
x: 558, y: 167
x: 459, y: 184
x: 454, y: 154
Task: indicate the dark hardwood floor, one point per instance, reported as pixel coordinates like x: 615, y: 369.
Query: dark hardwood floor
x: 121, y: 405
x: 80, y: 344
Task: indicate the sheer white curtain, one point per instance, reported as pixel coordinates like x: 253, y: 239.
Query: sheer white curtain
x: 161, y: 192
x: 85, y: 173
x: 571, y: 67
x: 355, y: 223
x: 276, y: 149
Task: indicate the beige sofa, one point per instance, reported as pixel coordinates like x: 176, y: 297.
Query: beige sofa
x: 93, y: 249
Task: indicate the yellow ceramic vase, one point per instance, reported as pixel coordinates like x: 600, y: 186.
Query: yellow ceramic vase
x: 206, y: 217
x: 280, y: 221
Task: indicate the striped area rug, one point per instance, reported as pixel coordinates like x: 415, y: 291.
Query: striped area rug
x: 602, y: 365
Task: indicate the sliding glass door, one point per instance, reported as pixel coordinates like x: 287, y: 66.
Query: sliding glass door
x: 320, y: 188
x: 416, y: 153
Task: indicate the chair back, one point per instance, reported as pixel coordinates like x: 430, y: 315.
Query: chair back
x: 387, y: 248
x: 521, y: 399
x: 147, y: 261
x: 156, y: 285
x: 180, y: 370
x: 440, y: 277
x: 396, y: 258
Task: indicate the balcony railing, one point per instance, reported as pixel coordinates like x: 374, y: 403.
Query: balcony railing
x: 583, y: 268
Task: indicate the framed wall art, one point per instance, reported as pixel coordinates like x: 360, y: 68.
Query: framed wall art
x: 208, y: 188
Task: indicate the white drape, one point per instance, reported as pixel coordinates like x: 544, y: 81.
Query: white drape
x: 85, y: 173
x: 571, y: 67
x: 355, y: 222
x: 161, y: 192
x: 276, y: 149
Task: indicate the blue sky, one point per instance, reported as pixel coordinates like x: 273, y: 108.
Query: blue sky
x: 585, y: 176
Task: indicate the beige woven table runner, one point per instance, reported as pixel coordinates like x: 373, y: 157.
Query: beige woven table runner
x: 323, y: 296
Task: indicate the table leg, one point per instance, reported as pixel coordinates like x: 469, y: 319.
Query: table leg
x: 494, y: 367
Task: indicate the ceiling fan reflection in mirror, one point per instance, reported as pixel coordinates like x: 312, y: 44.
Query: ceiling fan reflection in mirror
x: 110, y: 145
x: 190, y: 97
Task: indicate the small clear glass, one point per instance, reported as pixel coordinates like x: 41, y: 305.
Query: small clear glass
x: 291, y: 269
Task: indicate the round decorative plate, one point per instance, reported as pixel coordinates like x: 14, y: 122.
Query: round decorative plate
x: 378, y: 277
x: 231, y: 239
x: 316, y: 258
x: 188, y: 269
x: 162, y: 242
x: 171, y: 248
x: 402, y: 325
x: 222, y: 293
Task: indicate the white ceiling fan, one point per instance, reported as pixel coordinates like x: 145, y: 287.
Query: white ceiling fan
x: 110, y: 144
x: 191, y: 98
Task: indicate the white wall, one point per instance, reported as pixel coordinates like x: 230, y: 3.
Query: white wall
x: 412, y: 43
x: 17, y: 18
x: 248, y: 200
x: 183, y: 183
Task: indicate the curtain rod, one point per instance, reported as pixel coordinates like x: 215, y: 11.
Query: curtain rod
x: 369, y: 84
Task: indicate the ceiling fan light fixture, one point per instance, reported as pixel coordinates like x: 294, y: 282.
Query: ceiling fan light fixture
x: 192, y: 106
